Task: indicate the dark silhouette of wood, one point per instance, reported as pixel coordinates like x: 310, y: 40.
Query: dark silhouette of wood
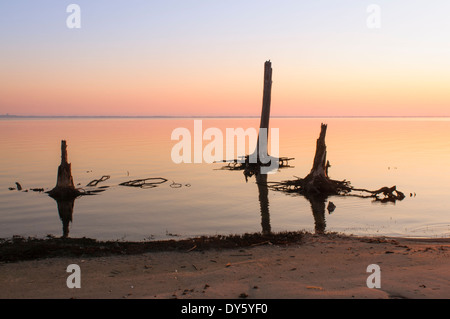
x: 144, y: 183
x: 265, y: 111
x: 65, y: 188
x: 263, y: 196
x: 331, y: 207
x: 317, y: 202
x: 96, y: 181
x: 318, y: 182
x: 251, y: 164
x: 65, y: 211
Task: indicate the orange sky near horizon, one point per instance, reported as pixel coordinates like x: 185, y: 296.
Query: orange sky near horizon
x: 191, y: 91
x: 326, y: 62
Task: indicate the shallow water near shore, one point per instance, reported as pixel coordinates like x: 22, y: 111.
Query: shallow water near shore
x: 201, y: 199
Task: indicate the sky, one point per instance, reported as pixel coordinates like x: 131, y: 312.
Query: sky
x: 206, y: 57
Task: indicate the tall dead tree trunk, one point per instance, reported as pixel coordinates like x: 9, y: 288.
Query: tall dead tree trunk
x: 260, y: 159
x: 261, y: 149
x: 265, y: 111
x: 64, y: 188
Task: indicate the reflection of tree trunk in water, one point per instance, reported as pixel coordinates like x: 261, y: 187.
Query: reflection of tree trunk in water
x: 318, y: 208
x: 65, y: 210
x: 263, y: 190
x: 261, y: 179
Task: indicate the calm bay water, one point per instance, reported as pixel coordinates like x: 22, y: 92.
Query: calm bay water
x: 413, y: 154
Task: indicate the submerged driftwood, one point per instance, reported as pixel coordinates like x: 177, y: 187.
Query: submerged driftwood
x: 249, y: 169
x: 145, y: 183
x: 96, y: 181
x: 318, y: 183
x: 65, y: 188
x: 65, y: 193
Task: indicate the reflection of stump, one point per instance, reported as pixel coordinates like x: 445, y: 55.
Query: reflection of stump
x: 318, y: 208
x: 64, y: 184
x: 263, y: 190
x: 65, y: 210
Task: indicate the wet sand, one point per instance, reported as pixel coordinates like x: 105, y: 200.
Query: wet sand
x: 330, y: 266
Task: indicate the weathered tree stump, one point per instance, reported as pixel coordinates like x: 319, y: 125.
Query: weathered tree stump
x: 317, y: 186
x: 65, y: 188
x: 317, y: 182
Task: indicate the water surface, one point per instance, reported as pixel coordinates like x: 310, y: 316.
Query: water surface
x: 410, y: 153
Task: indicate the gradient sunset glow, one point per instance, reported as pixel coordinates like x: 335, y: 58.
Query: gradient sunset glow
x: 206, y: 57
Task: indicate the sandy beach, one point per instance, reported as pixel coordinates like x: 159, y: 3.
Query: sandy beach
x: 318, y: 266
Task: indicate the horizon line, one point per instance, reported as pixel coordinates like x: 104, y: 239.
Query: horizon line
x: 215, y: 116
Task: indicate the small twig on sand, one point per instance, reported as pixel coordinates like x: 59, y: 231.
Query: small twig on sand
x: 262, y: 243
x: 191, y: 249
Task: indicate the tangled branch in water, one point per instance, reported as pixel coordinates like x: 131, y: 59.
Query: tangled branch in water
x: 250, y: 168
x: 145, y: 183
x: 96, y: 181
x: 342, y: 188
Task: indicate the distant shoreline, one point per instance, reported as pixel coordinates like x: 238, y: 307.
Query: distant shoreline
x: 9, y: 116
